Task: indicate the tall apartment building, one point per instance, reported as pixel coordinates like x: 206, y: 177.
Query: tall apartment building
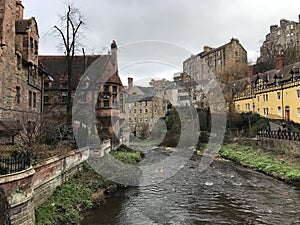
x: 21, y: 77
x: 226, y: 62
x: 286, y: 38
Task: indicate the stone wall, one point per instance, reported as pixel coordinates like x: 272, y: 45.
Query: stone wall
x: 286, y: 147
x: 27, y: 189
x: 289, y: 148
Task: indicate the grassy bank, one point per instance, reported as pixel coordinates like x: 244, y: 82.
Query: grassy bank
x: 267, y: 163
x: 86, y: 190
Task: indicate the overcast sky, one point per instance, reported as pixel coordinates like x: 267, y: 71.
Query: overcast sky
x: 176, y: 28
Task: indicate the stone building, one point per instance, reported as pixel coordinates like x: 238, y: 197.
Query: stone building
x: 286, y: 38
x: 21, y: 77
x: 227, y: 62
x: 101, y: 93
x: 143, y: 107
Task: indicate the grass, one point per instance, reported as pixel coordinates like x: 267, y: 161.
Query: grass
x: 127, y: 157
x: 247, y: 155
x: 71, y: 199
x: 80, y: 193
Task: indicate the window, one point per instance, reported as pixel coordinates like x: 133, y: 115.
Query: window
x: 106, y: 104
x: 114, y: 99
x: 292, y: 26
x: 46, y: 97
x: 141, y: 111
x: 34, y: 100
x: 279, y: 110
x: 257, y: 98
x: 278, y: 95
x: 106, y: 89
x: 146, y: 110
x: 258, y: 111
x: 266, y: 111
x: 298, y: 93
x: 18, y: 94
x: 134, y: 110
x: 129, y: 111
x: 238, y: 108
x: 247, y: 105
x: 46, y: 85
x: 29, y: 98
x: 19, y: 62
x: 115, y: 89
x: 298, y: 112
x: 145, y: 103
x: 146, y: 120
x: 64, y: 96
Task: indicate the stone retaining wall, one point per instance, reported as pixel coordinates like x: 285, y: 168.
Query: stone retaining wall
x: 27, y: 189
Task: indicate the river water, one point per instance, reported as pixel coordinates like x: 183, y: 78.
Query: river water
x: 225, y: 193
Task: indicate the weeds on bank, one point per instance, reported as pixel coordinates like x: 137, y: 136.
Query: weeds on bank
x: 267, y: 164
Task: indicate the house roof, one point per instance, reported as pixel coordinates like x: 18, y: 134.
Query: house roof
x: 23, y: 25
x: 146, y: 90
x: 139, y: 98
x: 56, y: 66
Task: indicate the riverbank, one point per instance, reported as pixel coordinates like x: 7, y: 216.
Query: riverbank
x: 267, y: 162
x: 81, y: 193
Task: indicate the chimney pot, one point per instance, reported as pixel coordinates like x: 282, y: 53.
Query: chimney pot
x: 280, y: 61
x: 130, y: 82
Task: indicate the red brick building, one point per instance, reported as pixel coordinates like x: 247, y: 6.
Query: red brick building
x: 101, y: 93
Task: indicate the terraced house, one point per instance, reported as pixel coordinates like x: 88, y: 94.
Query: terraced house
x: 274, y: 94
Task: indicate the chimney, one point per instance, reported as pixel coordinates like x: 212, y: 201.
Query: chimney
x: 130, y: 82
x: 280, y: 61
x: 114, y: 50
x: 273, y: 28
x: 250, y: 70
x: 207, y: 48
x: 19, y: 10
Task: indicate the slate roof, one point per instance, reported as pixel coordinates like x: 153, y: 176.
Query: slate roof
x: 22, y: 25
x: 56, y: 66
x: 285, y: 74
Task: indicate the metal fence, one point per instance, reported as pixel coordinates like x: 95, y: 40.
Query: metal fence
x: 280, y: 134
x: 16, y: 163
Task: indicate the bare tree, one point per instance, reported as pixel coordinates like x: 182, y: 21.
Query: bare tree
x: 71, y: 23
x: 30, y: 128
x: 269, y: 52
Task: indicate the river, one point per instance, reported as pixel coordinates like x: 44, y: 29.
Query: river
x: 225, y: 193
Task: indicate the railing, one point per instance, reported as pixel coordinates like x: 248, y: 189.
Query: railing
x: 13, y: 164
x: 280, y: 134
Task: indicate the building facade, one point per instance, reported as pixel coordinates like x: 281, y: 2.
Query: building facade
x: 143, y: 107
x: 286, y: 38
x: 226, y: 62
x: 21, y: 76
x: 274, y: 94
x: 101, y: 93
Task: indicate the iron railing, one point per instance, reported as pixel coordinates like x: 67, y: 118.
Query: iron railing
x: 16, y: 163
x: 280, y: 134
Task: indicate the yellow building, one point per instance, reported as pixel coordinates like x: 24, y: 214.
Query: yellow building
x: 274, y: 94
